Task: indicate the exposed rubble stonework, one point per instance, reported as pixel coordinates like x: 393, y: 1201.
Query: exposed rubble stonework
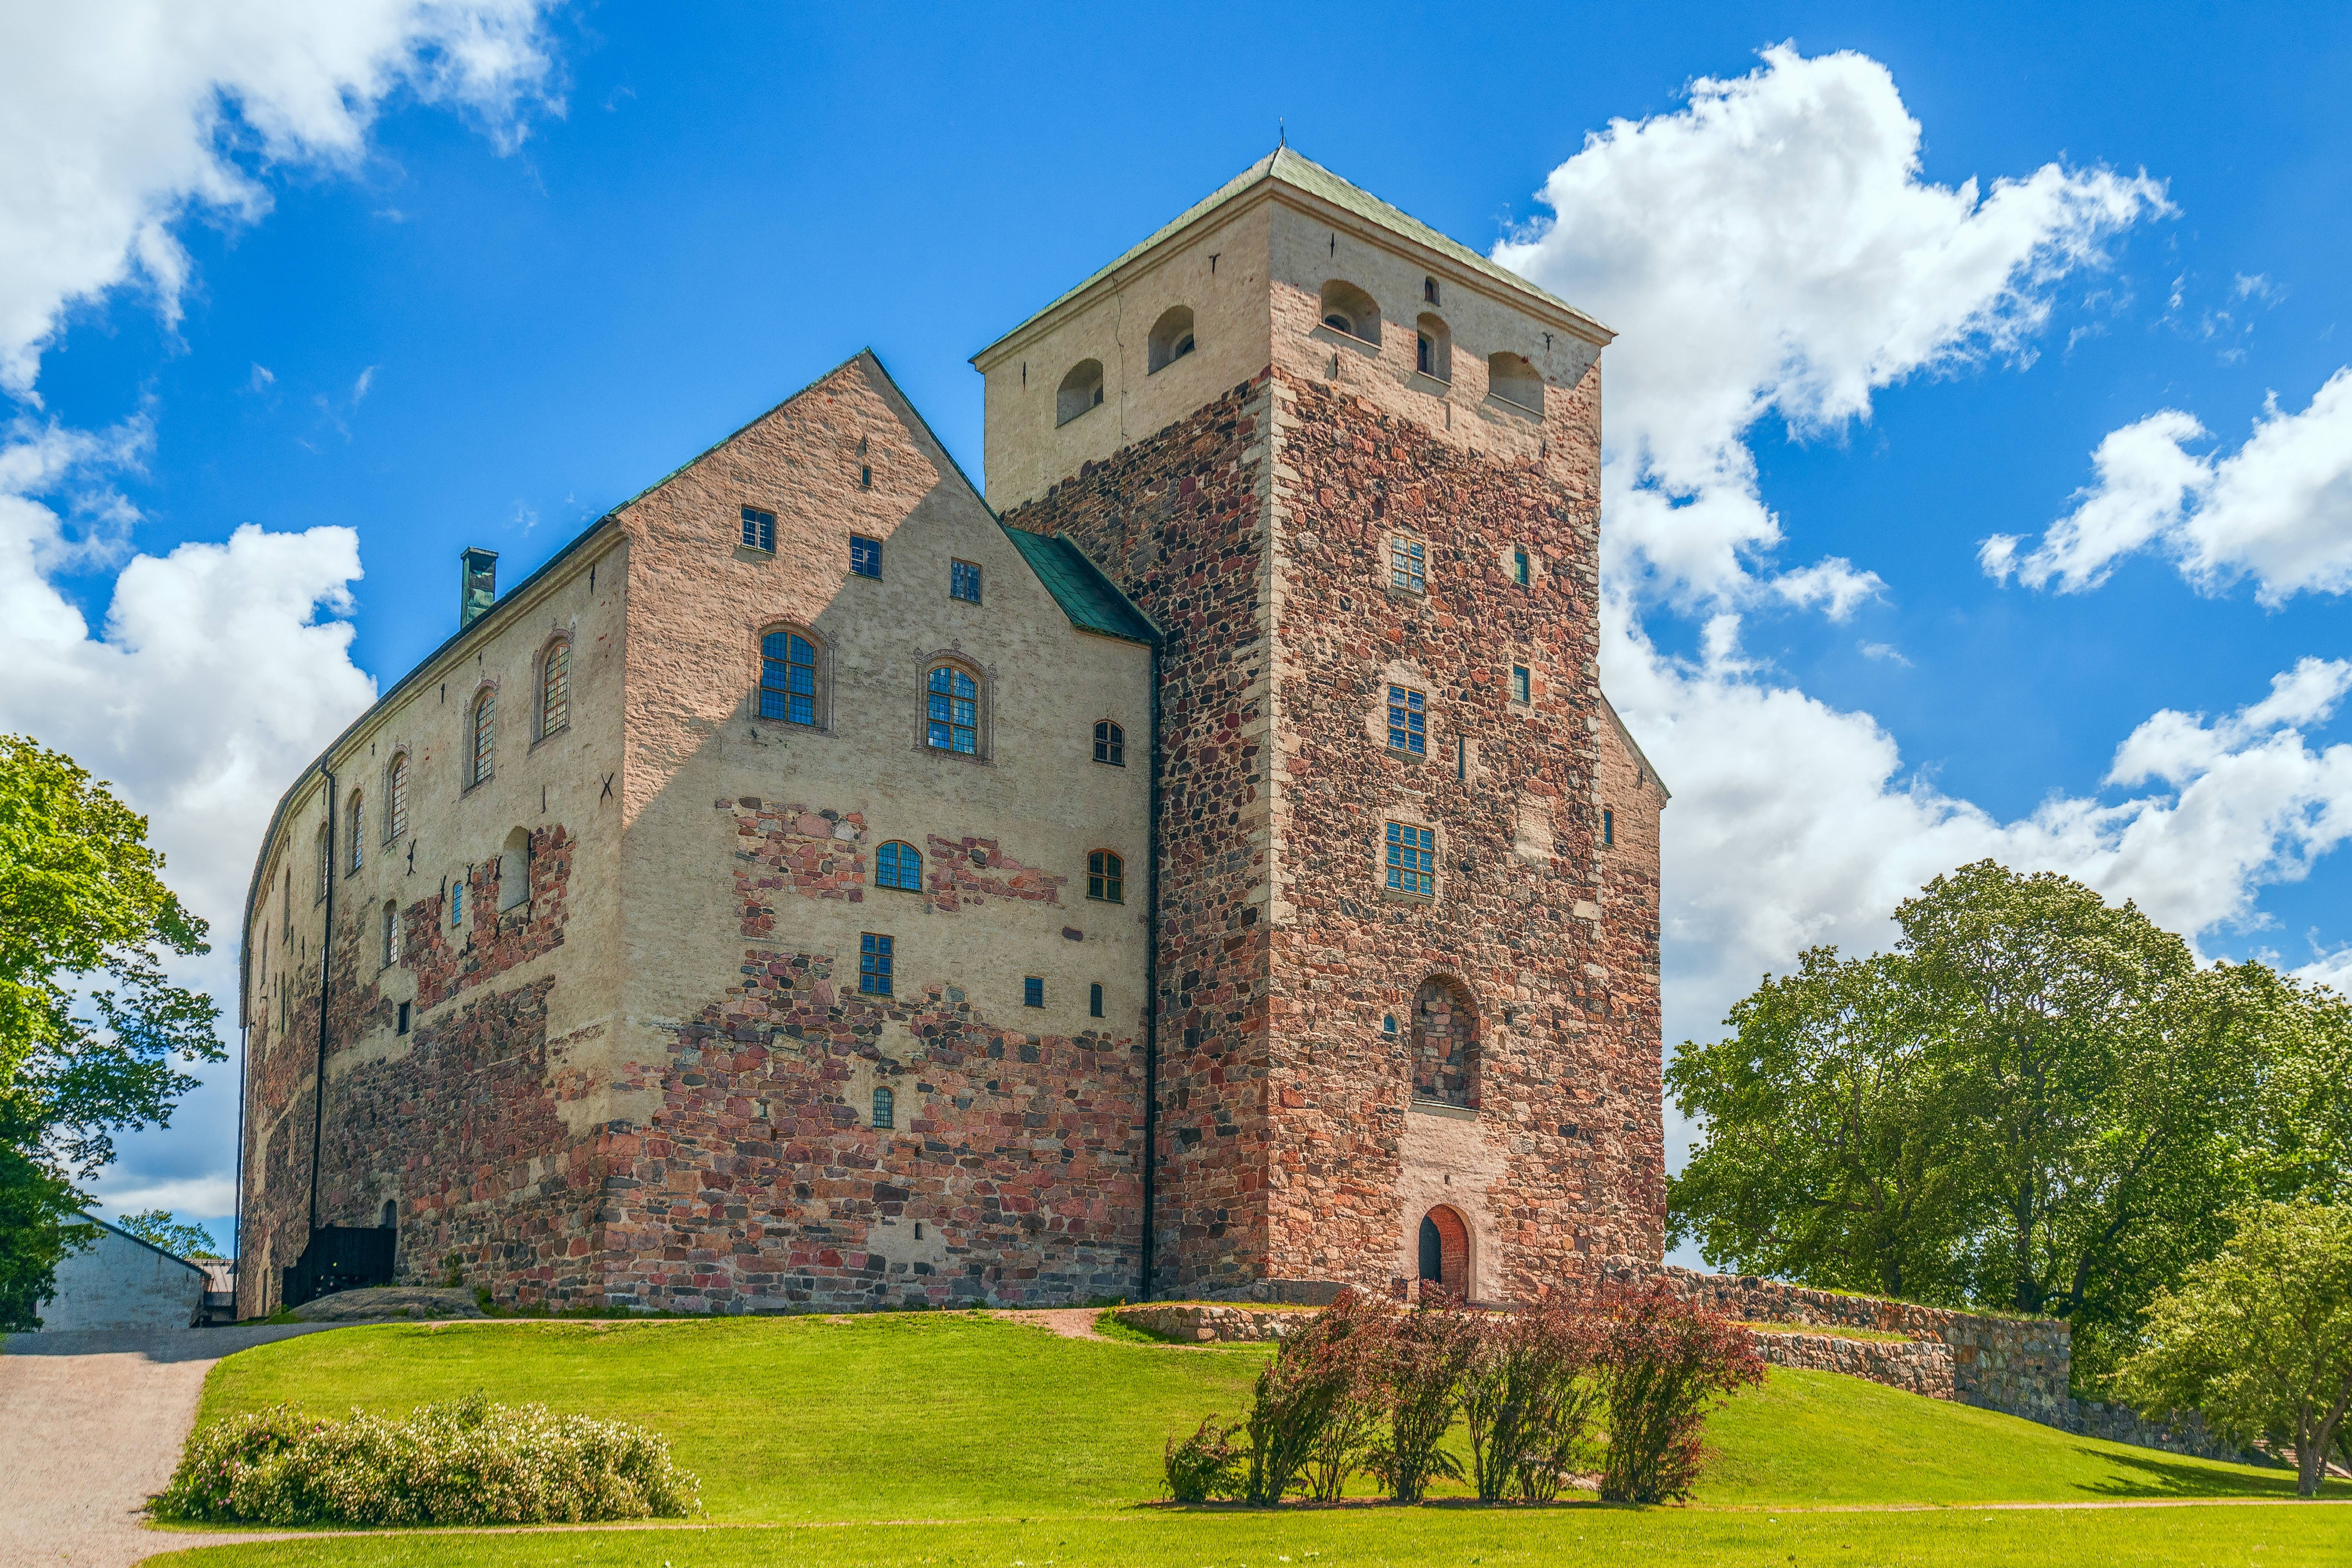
x: 808, y: 887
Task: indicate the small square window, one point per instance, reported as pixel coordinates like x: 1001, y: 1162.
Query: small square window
x: 1521, y: 683
x: 963, y: 581
x: 1094, y: 1000
x: 1408, y: 723
x: 1412, y: 859
x: 1032, y: 992
x: 1519, y: 567
x: 759, y: 530
x: 1429, y: 291
x: 874, y: 964
x: 1407, y: 559
x: 864, y: 555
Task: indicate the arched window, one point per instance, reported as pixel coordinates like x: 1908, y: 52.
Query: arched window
x: 1445, y: 1044
x: 1433, y: 348
x: 456, y: 901
x: 1511, y: 378
x: 390, y: 933
x: 326, y: 860
x: 555, y: 687
x: 788, y: 678
x: 1081, y: 389
x: 1110, y: 745
x: 1105, y: 877
x: 1347, y: 308
x: 514, y: 870
x: 355, y: 833
x: 1170, y: 339
x: 395, y: 798
x: 898, y: 864
x: 952, y: 712
x: 483, y: 735
x: 391, y: 1217
x: 885, y: 1109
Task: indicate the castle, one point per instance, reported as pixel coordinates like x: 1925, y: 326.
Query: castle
x: 1206, y: 864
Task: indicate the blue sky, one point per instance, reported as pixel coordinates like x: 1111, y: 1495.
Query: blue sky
x: 468, y: 275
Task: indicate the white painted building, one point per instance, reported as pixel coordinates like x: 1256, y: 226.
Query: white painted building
x: 121, y: 1282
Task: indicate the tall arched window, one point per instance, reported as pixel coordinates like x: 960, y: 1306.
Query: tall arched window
x: 1434, y: 347
x: 390, y: 933
x: 1081, y: 390
x: 555, y: 687
x: 1105, y: 877
x: 326, y: 860
x: 1110, y: 745
x: 953, y: 712
x: 898, y: 864
x: 788, y: 678
x: 1170, y: 339
x: 395, y: 798
x: 483, y: 738
x: 356, y: 833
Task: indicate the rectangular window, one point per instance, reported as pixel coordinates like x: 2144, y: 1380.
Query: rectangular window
x: 1429, y: 291
x: 1094, y: 1000
x: 759, y: 530
x: 963, y: 581
x: 1407, y: 721
x: 1607, y: 826
x: 402, y: 1027
x: 874, y: 964
x: 1406, y: 561
x: 457, y: 903
x: 1412, y: 859
x: 864, y: 555
x: 1519, y: 567
x: 1032, y: 992
x: 1521, y: 685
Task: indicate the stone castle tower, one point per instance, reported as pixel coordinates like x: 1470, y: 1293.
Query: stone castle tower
x: 1206, y: 863
x: 1352, y: 469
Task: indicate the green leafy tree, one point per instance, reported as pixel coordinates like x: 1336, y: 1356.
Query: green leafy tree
x: 83, y: 907
x: 1833, y: 1155
x: 2258, y: 1338
x: 161, y: 1228
x: 2036, y: 1102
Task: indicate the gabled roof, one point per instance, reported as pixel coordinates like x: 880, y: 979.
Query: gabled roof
x: 1288, y: 168
x: 1091, y: 600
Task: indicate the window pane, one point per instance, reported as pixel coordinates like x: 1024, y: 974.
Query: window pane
x: 864, y: 555
x: 1408, y: 721
x: 874, y: 961
x: 1032, y: 992
x: 963, y: 581
x: 788, y: 678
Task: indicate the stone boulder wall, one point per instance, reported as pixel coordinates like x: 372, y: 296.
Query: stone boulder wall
x: 377, y: 1303
x: 1211, y: 1324
x: 1915, y: 1366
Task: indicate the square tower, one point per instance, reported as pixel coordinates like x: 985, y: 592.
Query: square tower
x: 1407, y: 857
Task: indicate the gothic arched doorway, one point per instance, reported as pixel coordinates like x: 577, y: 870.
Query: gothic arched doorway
x: 1446, y: 1252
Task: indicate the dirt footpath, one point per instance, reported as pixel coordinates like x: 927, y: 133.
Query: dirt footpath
x: 90, y: 1426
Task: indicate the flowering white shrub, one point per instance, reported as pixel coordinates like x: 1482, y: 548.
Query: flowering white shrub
x: 469, y: 1463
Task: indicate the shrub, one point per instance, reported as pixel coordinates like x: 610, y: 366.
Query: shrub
x: 468, y: 1463
x: 1664, y: 1363
x: 1204, y: 1466
x: 1363, y: 1335
x: 1530, y: 1403
x: 1430, y: 1351
x: 1309, y: 1379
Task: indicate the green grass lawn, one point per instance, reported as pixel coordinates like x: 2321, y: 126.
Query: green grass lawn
x: 980, y: 1423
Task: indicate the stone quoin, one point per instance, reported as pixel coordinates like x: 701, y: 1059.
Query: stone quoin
x: 1207, y: 863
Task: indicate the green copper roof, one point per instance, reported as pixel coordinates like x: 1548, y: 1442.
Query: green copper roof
x: 1288, y: 166
x: 1086, y: 596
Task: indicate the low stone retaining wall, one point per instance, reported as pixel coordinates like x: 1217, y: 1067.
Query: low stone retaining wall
x: 1915, y: 1366
x: 1205, y: 1325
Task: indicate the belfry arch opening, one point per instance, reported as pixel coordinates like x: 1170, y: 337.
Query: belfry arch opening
x: 1445, y: 1044
x: 1443, y: 1244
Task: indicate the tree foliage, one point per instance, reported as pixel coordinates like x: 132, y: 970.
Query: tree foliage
x: 84, y: 916
x: 2258, y: 1338
x: 162, y: 1227
x: 2035, y: 1103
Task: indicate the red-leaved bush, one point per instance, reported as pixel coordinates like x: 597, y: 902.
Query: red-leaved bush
x: 1664, y: 1363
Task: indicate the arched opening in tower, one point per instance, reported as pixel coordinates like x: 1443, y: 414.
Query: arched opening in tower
x: 1446, y: 1252
x: 1445, y: 1045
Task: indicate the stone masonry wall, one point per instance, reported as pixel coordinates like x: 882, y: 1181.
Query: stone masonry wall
x: 1178, y: 521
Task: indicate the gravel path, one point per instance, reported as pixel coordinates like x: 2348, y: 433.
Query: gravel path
x: 90, y: 1426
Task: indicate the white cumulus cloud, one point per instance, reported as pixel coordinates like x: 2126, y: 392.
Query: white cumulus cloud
x: 2278, y: 509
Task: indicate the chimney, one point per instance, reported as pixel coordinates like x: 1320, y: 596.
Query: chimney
x: 478, y: 584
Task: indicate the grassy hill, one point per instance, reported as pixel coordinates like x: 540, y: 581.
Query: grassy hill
x: 1012, y: 1442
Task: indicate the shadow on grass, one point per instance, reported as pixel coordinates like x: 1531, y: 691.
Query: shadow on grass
x: 2163, y: 1476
